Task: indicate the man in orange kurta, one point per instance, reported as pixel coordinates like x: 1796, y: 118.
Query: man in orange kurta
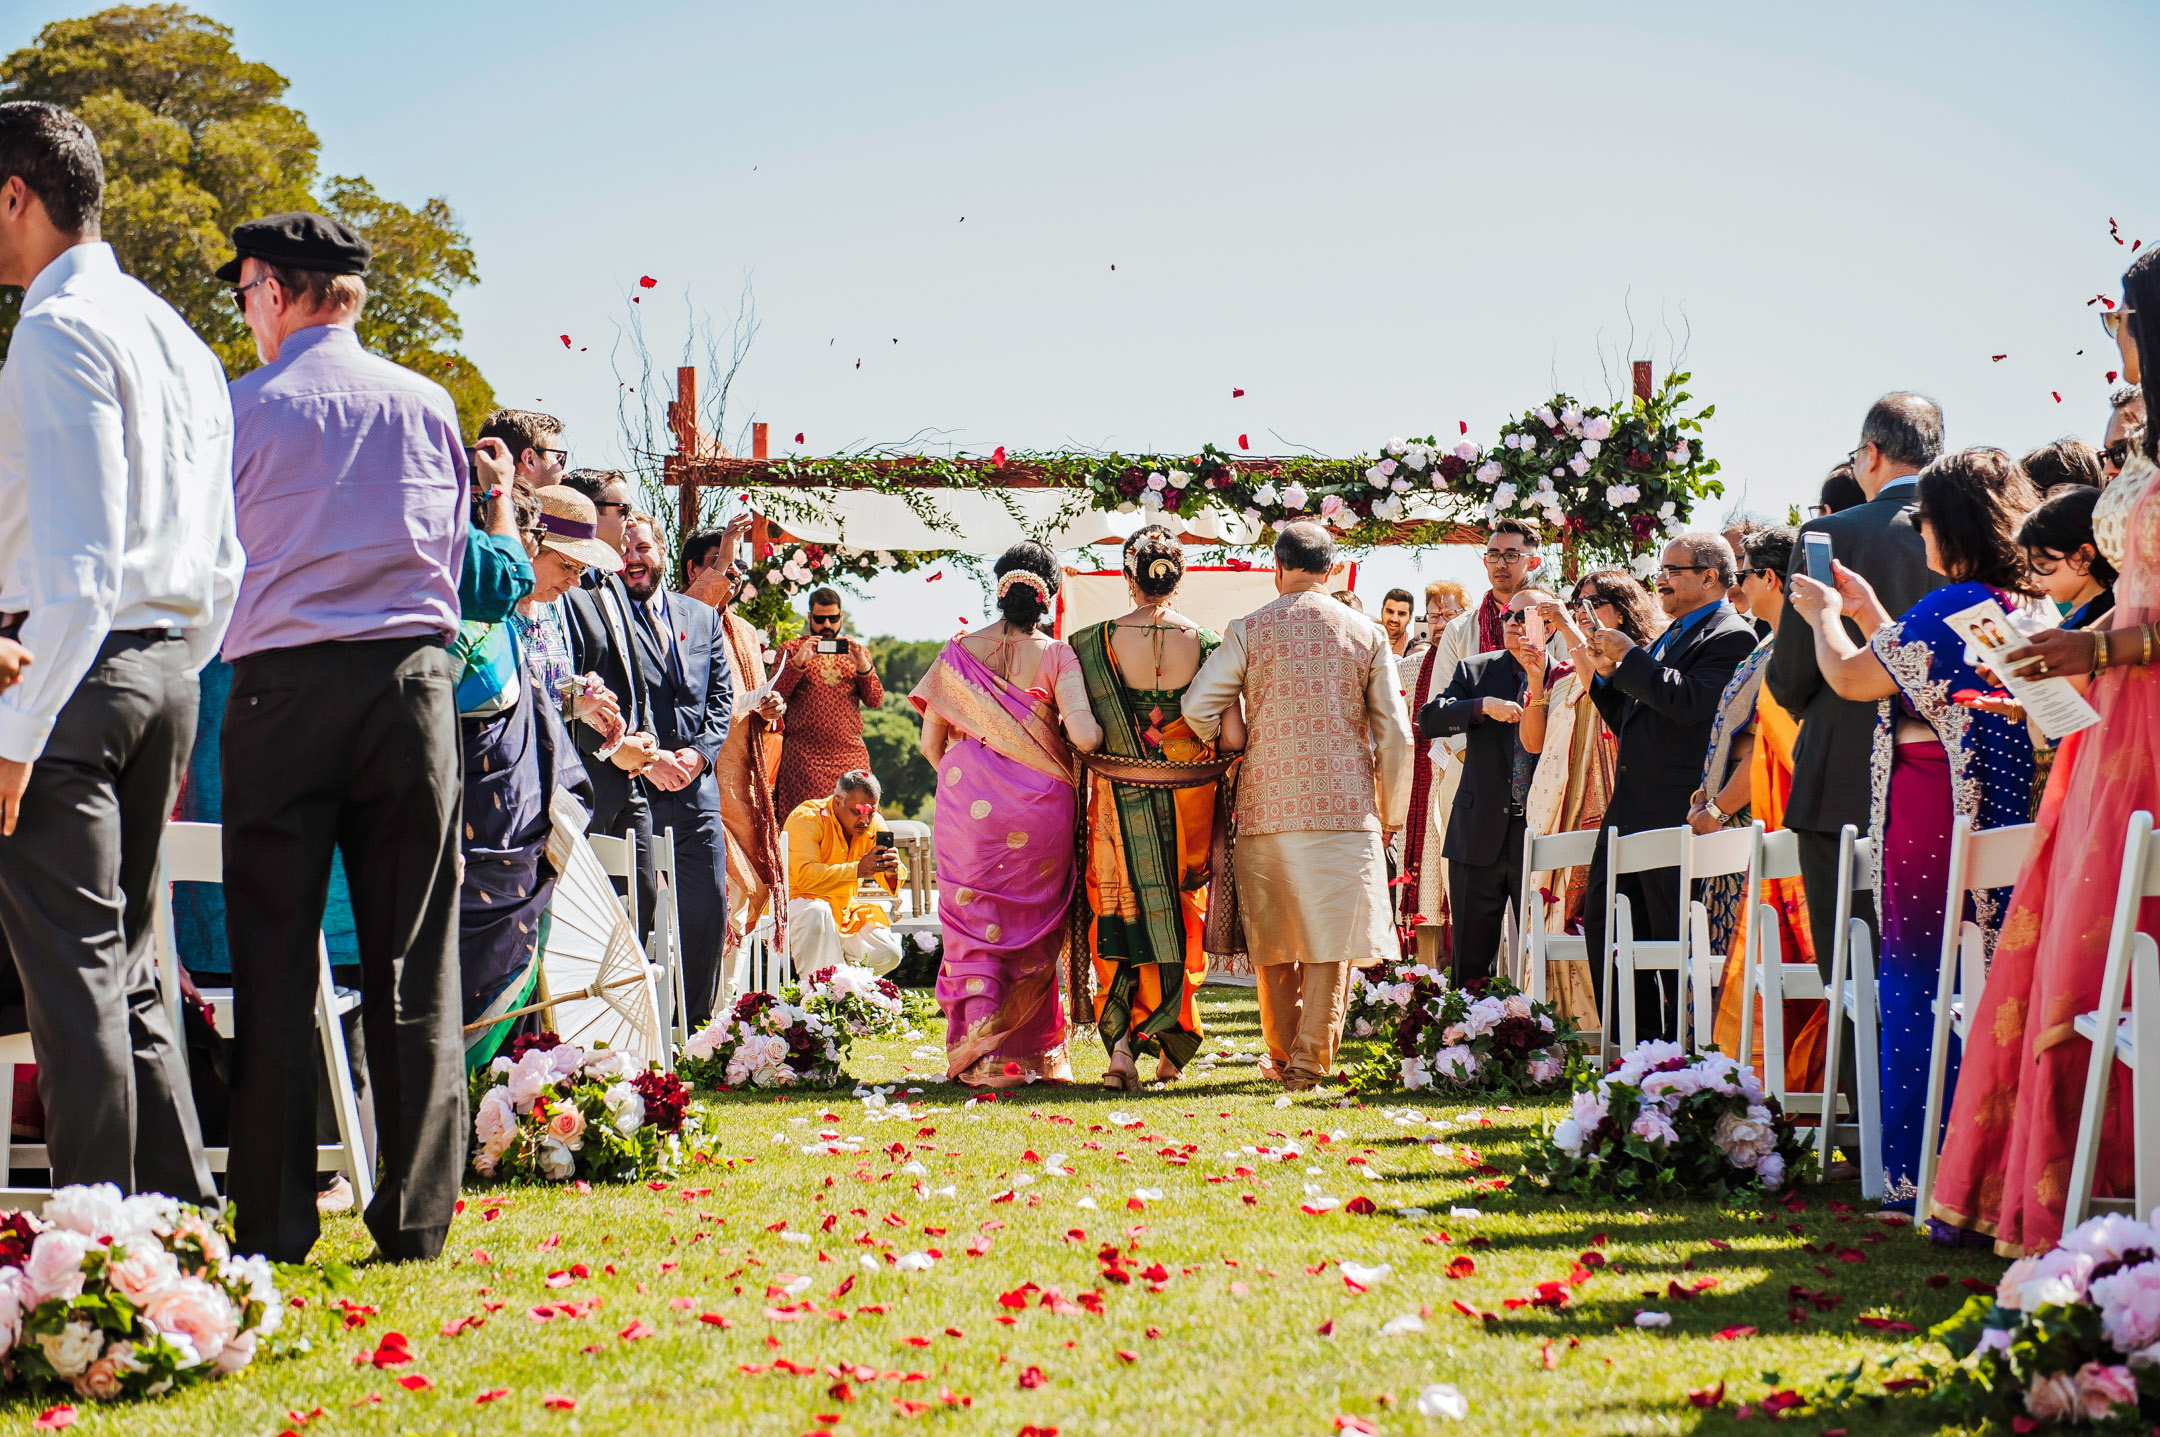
x: 832, y: 846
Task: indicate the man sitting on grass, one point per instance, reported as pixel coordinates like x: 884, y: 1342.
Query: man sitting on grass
x: 832, y: 845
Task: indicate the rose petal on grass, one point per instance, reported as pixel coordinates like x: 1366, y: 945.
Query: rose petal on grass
x: 493, y: 1394
x: 1653, y: 1319
x: 1440, y: 1399
x: 414, y: 1382
x: 1707, y: 1396
x: 52, y: 1419
x: 559, y: 1403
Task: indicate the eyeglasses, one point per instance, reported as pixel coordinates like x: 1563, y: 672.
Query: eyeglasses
x: 1513, y: 616
x: 1816, y: 511
x: 239, y: 294
x: 2116, y: 454
x: 2111, y: 320
x: 599, y: 505
x: 1666, y: 571
x: 565, y: 454
x: 1506, y: 556
x: 821, y: 620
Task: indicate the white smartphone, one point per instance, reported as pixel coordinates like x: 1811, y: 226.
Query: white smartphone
x: 1816, y: 549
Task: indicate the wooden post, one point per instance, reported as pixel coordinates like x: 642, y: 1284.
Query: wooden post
x: 1643, y: 388
x: 760, y: 441
x: 682, y: 418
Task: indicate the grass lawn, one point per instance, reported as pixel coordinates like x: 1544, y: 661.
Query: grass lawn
x: 1249, y: 1327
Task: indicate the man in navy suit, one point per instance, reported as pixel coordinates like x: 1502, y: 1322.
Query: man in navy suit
x: 691, y: 694
x: 1661, y: 701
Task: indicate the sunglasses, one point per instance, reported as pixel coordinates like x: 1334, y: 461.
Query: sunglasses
x: 822, y: 620
x: 543, y: 452
x: 2111, y: 320
x: 599, y: 505
x: 2116, y: 454
x: 239, y: 293
x: 1666, y: 571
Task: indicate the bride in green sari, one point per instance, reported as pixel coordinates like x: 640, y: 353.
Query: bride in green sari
x: 1150, y: 800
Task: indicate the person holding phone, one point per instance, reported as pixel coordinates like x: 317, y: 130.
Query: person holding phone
x: 835, y: 845
x: 826, y: 681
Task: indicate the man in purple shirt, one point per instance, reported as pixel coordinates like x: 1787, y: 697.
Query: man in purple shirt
x: 341, y: 732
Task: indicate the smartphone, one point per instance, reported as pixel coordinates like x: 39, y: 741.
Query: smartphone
x: 1816, y: 548
x: 1533, y: 628
x: 1421, y: 630
x: 884, y: 837
x: 828, y: 646
x: 1587, y: 613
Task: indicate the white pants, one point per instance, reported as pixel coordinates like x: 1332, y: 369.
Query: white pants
x: 815, y: 940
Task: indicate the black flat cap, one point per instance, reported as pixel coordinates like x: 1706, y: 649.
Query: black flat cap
x: 300, y: 240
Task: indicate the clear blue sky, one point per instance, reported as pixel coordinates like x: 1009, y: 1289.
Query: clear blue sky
x: 1376, y: 219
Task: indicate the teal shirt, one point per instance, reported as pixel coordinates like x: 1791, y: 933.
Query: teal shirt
x: 496, y: 576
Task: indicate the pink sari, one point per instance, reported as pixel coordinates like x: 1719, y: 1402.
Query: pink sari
x: 1003, y: 840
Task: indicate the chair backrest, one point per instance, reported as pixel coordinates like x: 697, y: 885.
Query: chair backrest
x: 2150, y: 886
x: 618, y: 857
x: 1994, y: 857
x: 194, y: 853
x: 1549, y: 851
x: 1652, y: 848
x: 1714, y: 855
x: 905, y: 830
x: 1781, y: 854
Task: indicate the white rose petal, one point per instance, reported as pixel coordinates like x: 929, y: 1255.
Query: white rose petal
x: 1397, y: 1326
x: 1365, y: 1276
x: 1653, y: 1319
x: 1442, y: 1400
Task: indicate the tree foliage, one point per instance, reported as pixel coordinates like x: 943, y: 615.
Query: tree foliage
x: 197, y: 139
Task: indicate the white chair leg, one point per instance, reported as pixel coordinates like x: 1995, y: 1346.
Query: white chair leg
x: 1867, y: 1060
x: 1624, y: 970
x: 2145, y: 1105
x: 7, y: 1128
x: 1770, y: 982
x: 1834, y: 1014
x: 1702, y: 976
x: 1954, y: 972
x: 344, y: 1102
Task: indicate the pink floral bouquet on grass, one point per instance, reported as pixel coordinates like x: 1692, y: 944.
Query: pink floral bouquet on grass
x: 765, y: 1041
x: 129, y: 1297
x: 551, y: 1111
x: 2070, y: 1337
x: 1417, y: 1033
x: 857, y: 1002
x: 1662, y: 1124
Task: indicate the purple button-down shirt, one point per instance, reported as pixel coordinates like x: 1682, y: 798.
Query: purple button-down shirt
x: 350, y: 483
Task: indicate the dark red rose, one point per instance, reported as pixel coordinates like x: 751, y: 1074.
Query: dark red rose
x: 525, y: 1043
x: 666, y: 1099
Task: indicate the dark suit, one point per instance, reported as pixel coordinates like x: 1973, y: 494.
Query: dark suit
x: 1835, y: 750
x: 1484, y: 839
x: 692, y: 690
x: 1660, y: 711
x: 598, y: 620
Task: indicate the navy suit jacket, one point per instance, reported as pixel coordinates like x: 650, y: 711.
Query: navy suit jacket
x: 1477, y: 826
x: 691, y: 689
x: 1661, y: 712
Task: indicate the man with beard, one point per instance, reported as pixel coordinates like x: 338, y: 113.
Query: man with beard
x: 691, y: 693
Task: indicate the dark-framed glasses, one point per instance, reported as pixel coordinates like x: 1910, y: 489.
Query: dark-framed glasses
x: 239, y: 293
x: 2116, y: 454
x: 543, y: 451
x: 1506, y: 556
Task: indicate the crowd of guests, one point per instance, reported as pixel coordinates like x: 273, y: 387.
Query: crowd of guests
x: 397, y: 670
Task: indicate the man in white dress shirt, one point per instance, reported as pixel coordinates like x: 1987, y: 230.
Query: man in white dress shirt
x: 118, y: 567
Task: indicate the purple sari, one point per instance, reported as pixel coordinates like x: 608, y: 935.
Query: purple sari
x: 1004, y: 846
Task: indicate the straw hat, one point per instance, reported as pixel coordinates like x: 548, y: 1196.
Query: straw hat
x: 570, y: 525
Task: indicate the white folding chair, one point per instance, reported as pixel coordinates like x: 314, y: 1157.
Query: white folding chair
x: 913, y: 840
x: 194, y: 853
x: 1980, y: 859
x: 1766, y: 976
x: 618, y: 857
x: 1625, y: 954
x: 15, y: 1050
x: 665, y: 952
x: 2134, y: 958
x: 1545, y: 854
x: 1853, y: 995
x: 1726, y: 852
x: 763, y: 965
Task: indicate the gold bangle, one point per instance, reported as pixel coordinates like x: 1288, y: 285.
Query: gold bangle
x: 2100, y: 652
x: 1535, y: 704
x: 2146, y: 657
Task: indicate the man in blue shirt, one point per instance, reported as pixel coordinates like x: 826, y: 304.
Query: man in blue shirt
x: 1660, y: 703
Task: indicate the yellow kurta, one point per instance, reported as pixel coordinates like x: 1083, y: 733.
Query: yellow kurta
x: 821, y: 865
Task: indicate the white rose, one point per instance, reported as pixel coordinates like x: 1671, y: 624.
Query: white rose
x: 1567, y: 1136
x: 73, y: 1348
x: 556, y: 1162
x: 1590, y: 448
x: 1265, y: 495
x: 1377, y: 477
x: 1294, y: 496
x: 607, y: 1063
x: 1179, y: 478
x: 1466, y: 451
x: 1599, y: 427
x: 625, y: 1108
x: 1579, y: 465
x: 1395, y: 446
x: 55, y: 1266
x: 92, y: 1209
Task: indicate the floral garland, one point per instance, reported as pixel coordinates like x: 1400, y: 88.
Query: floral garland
x: 551, y: 1111
x: 765, y: 1041
x: 1661, y: 1124
x: 1615, y: 481
x: 776, y: 580
x: 2069, y: 1337
x: 129, y: 1297
x: 1423, y: 1034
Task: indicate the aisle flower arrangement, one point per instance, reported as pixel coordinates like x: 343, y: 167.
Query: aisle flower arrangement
x: 765, y: 1041
x: 1417, y: 1033
x: 551, y: 1111
x: 1662, y: 1124
x: 2071, y: 1337
x: 129, y: 1297
x: 855, y: 1001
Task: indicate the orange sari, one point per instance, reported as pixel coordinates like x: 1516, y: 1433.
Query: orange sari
x: 1770, y: 776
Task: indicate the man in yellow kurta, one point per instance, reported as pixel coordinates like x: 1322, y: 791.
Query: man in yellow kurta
x: 832, y: 846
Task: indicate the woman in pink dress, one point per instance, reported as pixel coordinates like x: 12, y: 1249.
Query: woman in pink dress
x: 2006, y: 1161
x: 1002, y: 709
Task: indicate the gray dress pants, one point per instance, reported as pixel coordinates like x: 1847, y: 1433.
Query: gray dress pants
x: 77, y: 889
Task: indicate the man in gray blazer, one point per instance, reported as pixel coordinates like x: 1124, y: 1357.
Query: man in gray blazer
x: 1902, y: 434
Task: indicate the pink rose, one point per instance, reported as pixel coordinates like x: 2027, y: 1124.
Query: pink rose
x: 55, y: 1266
x: 567, y: 1126
x: 12, y: 1299
x: 194, y: 1309
x: 2053, y: 1398
x: 144, y: 1272
x: 195, y: 1227
x: 2100, y: 1390
x: 102, y: 1379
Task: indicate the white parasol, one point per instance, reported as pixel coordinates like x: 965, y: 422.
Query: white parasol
x: 595, y: 985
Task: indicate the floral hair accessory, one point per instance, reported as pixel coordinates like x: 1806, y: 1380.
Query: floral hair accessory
x: 1022, y: 576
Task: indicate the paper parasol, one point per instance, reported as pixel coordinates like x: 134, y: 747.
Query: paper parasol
x: 596, y: 986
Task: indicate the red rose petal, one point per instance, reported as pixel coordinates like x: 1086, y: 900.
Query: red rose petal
x: 1242, y: 443
x: 1237, y: 394
x: 566, y: 341
x: 493, y: 1394
x: 559, y: 1404
x: 414, y: 1382
x: 646, y: 281
x: 52, y: 1419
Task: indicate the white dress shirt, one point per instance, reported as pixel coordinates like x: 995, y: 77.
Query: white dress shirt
x: 116, y: 496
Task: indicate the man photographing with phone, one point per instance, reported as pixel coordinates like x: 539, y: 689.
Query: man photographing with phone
x: 835, y: 845
x: 826, y: 681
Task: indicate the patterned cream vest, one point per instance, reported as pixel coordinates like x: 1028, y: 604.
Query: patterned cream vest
x: 1309, y: 759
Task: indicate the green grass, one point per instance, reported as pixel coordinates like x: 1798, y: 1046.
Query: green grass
x: 1239, y: 1349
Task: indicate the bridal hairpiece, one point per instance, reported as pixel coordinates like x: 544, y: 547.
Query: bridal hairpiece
x: 1022, y: 576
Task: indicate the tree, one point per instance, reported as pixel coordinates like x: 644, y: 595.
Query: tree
x: 197, y: 139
